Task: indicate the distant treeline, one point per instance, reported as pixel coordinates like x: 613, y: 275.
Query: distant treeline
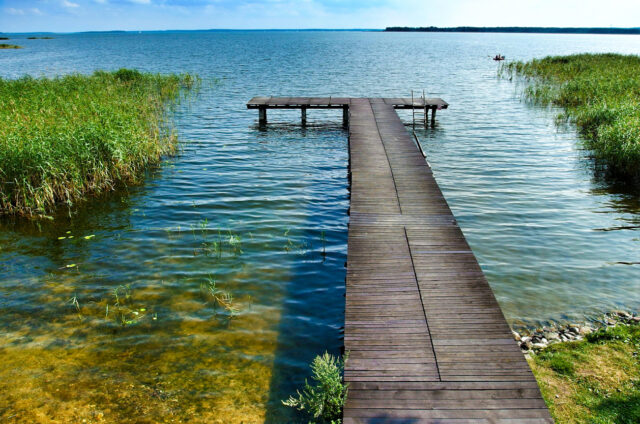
x: 532, y: 30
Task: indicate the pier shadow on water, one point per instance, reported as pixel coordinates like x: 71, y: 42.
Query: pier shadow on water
x: 312, y: 316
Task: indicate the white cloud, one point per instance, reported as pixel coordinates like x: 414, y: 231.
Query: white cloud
x: 141, y: 1
x: 12, y: 11
x: 69, y: 4
x: 36, y: 11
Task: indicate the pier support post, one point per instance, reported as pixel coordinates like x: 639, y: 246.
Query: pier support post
x: 433, y: 116
x: 304, y: 115
x: 426, y: 115
x: 262, y: 115
x: 345, y: 116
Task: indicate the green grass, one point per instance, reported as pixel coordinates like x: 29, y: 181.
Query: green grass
x: 9, y: 46
x: 600, y: 93
x: 596, y: 380
x: 65, y: 138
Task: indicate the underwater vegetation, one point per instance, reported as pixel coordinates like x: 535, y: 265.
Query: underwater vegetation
x: 600, y: 93
x: 67, y: 137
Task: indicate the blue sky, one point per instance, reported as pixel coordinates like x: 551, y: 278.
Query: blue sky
x: 86, y: 15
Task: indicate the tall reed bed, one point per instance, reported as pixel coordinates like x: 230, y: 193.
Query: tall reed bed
x: 64, y: 138
x: 600, y: 93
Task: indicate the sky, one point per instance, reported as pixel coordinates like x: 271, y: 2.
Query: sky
x: 103, y: 15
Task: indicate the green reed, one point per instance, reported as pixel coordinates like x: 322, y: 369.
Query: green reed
x: 64, y: 138
x: 219, y: 297
x: 600, y: 93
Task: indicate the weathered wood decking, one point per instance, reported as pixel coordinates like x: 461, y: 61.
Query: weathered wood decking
x: 304, y: 103
x: 426, y: 338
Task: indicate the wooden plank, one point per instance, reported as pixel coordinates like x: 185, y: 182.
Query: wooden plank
x: 419, y: 311
x: 427, y: 340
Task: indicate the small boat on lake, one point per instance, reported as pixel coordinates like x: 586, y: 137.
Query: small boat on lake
x: 498, y: 57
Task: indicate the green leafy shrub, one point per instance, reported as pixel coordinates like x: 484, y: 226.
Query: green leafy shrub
x: 325, y: 399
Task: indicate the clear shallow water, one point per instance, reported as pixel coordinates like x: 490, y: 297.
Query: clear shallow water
x: 552, y: 239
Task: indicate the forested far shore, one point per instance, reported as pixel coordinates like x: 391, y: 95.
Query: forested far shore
x: 528, y: 30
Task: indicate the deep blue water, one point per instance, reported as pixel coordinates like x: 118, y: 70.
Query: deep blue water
x: 554, y: 240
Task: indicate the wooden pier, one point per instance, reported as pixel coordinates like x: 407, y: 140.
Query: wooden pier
x: 426, y: 338
x: 303, y: 103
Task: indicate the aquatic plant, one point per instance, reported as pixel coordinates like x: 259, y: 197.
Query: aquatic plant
x: 600, y: 93
x: 67, y: 137
x: 235, y: 243
x: 204, y: 223
x: 74, y: 301
x: 302, y: 246
x: 122, y: 293
x: 324, y: 244
x: 325, y: 399
x: 212, y: 248
x: 219, y: 297
x: 126, y: 314
x: 9, y: 46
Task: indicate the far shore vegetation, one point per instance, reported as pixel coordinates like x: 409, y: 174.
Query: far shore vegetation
x: 595, y: 380
x: 4, y: 38
x: 521, y: 30
x: 600, y: 93
x: 40, y: 38
x: 9, y: 46
x: 64, y: 138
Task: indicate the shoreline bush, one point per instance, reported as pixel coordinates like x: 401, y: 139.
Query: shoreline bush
x: 600, y: 93
x: 64, y: 138
x: 324, y: 400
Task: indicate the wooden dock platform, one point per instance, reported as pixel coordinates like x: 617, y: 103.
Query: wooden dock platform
x: 303, y: 103
x: 426, y: 338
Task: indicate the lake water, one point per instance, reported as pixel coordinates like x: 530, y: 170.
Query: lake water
x: 133, y: 332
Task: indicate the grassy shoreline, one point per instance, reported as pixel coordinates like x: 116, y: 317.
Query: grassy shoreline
x: 65, y: 138
x: 594, y: 380
x: 600, y: 93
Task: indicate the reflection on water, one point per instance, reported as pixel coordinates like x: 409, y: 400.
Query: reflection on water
x: 110, y: 313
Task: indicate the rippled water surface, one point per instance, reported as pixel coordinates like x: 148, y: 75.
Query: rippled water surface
x: 136, y: 323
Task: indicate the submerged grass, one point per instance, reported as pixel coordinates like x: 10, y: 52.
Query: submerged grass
x: 600, y: 93
x: 64, y: 138
x: 596, y: 380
